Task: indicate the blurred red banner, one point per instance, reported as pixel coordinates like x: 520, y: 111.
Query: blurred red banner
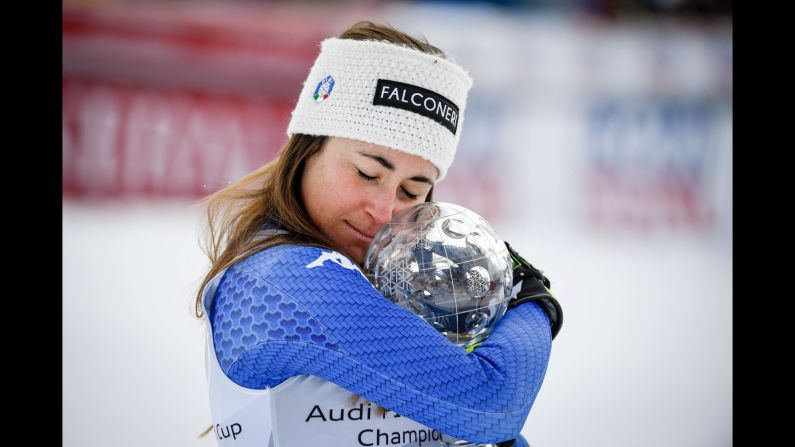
x: 180, y: 99
x: 122, y: 140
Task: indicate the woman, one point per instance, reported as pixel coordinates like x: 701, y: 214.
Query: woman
x: 297, y: 334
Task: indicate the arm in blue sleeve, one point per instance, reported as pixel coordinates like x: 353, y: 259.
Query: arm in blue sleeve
x: 274, y: 317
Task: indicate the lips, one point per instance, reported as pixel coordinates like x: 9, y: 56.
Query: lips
x: 360, y: 233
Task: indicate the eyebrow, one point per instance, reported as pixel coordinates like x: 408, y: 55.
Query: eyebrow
x: 387, y: 164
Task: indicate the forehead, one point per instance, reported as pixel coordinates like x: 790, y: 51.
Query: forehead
x: 402, y: 161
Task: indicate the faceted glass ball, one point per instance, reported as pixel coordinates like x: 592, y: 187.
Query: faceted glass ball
x: 446, y: 264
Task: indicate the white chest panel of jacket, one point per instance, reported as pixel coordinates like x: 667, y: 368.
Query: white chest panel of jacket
x: 316, y: 412
x: 241, y: 416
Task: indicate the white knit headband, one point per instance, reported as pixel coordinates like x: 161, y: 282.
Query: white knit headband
x: 384, y: 94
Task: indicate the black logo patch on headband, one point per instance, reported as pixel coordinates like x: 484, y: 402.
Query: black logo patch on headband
x: 418, y: 100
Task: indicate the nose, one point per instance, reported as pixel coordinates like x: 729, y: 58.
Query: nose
x: 382, y: 206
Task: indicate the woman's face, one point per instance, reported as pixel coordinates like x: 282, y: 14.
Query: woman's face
x: 351, y: 188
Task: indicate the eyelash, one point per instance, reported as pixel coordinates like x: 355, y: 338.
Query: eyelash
x: 365, y: 176
x: 373, y: 179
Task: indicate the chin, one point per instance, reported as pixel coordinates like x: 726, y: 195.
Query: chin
x: 358, y: 257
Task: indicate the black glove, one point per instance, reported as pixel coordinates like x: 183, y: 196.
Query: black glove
x: 535, y: 287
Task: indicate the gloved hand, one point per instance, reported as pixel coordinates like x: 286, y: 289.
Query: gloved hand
x: 535, y: 287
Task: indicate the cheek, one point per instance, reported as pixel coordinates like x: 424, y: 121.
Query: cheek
x: 345, y: 198
x: 340, y: 190
x: 328, y: 195
x: 399, y: 208
x: 312, y: 187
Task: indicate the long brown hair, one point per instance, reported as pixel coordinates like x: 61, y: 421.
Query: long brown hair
x: 235, y: 214
x: 272, y: 192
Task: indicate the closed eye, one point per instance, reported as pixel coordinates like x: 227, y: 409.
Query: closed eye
x: 372, y: 179
x: 365, y: 176
x: 409, y: 195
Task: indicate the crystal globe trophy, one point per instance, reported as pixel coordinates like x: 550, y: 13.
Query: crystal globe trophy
x: 446, y: 264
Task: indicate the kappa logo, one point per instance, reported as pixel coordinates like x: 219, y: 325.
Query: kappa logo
x: 334, y: 257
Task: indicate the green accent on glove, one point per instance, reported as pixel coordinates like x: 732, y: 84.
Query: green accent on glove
x: 472, y: 348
